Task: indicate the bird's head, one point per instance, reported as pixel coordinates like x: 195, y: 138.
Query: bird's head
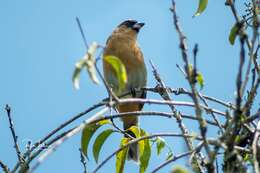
x: 129, y: 27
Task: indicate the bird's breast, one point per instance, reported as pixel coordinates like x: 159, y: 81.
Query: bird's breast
x: 132, y: 57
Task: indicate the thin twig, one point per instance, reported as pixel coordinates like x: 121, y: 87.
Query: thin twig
x: 195, y: 51
x: 54, y: 131
x: 135, y: 141
x: 82, y: 33
x: 179, y: 91
x: 109, y: 90
x: 183, y: 72
x: 251, y: 96
x: 191, y: 75
x: 56, y: 144
x: 179, y: 156
x: 116, y: 127
x: 255, y: 34
x: 46, y: 145
x: 166, y: 102
x: 83, y: 161
x: 244, y: 34
x: 232, y: 157
x: 213, y: 115
x: 4, y: 167
x: 182, y: 38
x: 237, y: 112
x: 253, y: 117
x: 166, y: 96
x: 15, y: 137
x: 118, y: 115
x: 254, y: 148
x: 246, y: 76
x: 217, y: 166
x: 122, y: 101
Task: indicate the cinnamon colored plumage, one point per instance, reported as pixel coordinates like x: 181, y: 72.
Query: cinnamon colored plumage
x: 122, y: 43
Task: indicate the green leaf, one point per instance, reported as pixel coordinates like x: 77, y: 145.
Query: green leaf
x: 160, y: 144
x: 200, y: 80
x: 135, y: 130
x: 121, y: 156
x: 246, y: 157
x: 145, y: 152
x: 202, y: 6
x: 88, y: 62
x: 87, y: 133
x: 103, y: 122
x: 169, y: 155
x: 233, y: 34
x: 119, y: 68
x: 237, y: 138
x: 179, y: 169
x: 101, y: 138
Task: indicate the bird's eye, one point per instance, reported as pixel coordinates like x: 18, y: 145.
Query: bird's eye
x: 128, y: 23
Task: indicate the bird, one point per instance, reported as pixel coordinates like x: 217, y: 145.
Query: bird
x: 122, y: 43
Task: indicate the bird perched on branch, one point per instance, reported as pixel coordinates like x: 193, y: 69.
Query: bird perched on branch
x: 122, y: 43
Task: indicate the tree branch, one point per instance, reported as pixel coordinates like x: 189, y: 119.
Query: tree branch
x: 179, y: 156
x: 15, y: 137
x: 254, y: 148
x: 135, y: 141
x: 4, y: 167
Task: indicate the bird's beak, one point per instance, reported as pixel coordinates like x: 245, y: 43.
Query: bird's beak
x: 138, y: 26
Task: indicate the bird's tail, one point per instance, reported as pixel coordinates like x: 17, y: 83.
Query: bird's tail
x: 133, y: 152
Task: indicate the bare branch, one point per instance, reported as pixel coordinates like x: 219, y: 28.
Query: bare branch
x: 83, y: 161
x: 135, y: 141
x: 103, y: 103
x: 254, y: 147
x: 93, y: 121
x: 166, y: 96
x: 234, y: 127
x: 82, y: 33
x: 253, y: 117
x: 41, y: 141
x: 251, y: 96
x: 250, y: 44
x: 179, y: 156
x: 4, y: 167
x: 213, y: 115
x: 165, y: 102
x: 179, y: 91
x: 15, y: 137
x: 191, y: 77
x: 57, y: 143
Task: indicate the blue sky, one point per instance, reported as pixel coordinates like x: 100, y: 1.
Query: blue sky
x: 40, y: 44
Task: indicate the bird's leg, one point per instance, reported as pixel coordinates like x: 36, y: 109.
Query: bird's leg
x: 133, y: 91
